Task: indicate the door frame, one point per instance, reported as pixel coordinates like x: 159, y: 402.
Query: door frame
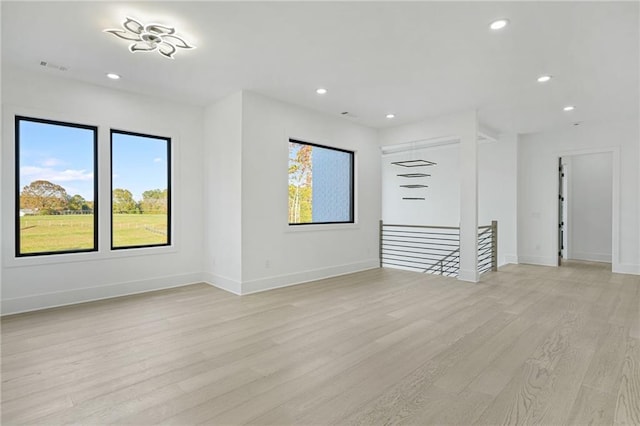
x: 615, y: 199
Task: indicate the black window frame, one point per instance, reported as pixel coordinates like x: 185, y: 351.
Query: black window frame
x: 169, y: 189
x: 352, y: 186
x: 20, y: 118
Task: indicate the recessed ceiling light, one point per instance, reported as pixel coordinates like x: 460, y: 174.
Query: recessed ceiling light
x: 544, y: 78
x: 113, y: 76
x: 390, y: 115
x: 499, y: 24
x: 321, y: 91
x: 569, y: 108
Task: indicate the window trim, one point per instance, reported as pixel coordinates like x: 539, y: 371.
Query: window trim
x: 352, y: 216
x: 168, y: 140
x: 19, y: 118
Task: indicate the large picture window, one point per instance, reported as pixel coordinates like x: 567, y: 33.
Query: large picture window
x: 320, y: 184
x: 140, y: 190
x: 56, y: 187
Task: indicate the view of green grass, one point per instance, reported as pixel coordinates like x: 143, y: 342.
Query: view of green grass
x: 44, y: 233
x: 51, y: 233
x: 139, y: 229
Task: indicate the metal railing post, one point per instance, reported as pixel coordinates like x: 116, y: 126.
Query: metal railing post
x: 494, y: 245
x: 380, y: 244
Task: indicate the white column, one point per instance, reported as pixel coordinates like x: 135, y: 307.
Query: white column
x: 469, y: 200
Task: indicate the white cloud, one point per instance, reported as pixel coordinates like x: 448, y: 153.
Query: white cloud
x: 46, y: 173
x: 157, y: 160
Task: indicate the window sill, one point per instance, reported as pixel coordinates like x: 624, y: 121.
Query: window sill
x: 322, y: 227
x: 94, y: 256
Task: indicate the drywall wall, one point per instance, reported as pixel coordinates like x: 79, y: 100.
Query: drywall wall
x: 37, y: 282
x: 275, y: 254
x: 590, y: 197
x: 222, y: 260
x: 498, y: 192
x: 538, y: 185
x: 463, y: 127
x: 441, y: 206
x: 497, y: 177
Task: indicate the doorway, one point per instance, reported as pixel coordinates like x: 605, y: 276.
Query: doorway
x: 585, y: 207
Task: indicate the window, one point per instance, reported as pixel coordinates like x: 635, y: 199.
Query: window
x: 320, y: 184
x: 140, y: 190
x: 56, y: 187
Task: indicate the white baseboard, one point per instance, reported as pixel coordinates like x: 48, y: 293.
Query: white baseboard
x: 593, y: 257
x: 626, y: 268
x: 510, y: 258
x: 223, y: 283
x: 538, y: 260
x: 89, y: 294
x: 471, y: 276
x: 270, y: 283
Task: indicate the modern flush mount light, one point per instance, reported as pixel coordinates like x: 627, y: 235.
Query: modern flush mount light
x: 150, y: 37
x: 499, y: 24
x: 390, y: 115
x: 569, y: 108
x: 113, y: 76
x: 544, y: 78
x: 321, y: 91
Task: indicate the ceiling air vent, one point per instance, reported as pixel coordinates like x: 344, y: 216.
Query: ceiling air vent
x: 53, y: 66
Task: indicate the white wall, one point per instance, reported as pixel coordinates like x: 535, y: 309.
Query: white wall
x: 464, y: 127
x: 249, y: 244
x: 590, y: 194
x: 223, y: 193
x: 273, y: 253
x: 441, y: 206
x: 538, y: 185
x: 497, y: 177
x: 498, y: 192
x: 36, y: 282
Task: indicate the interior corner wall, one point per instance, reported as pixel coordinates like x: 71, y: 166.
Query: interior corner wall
x: 36, y: 283
x: 222, y: 260
x: 275, y: 254
x: 538, y: 185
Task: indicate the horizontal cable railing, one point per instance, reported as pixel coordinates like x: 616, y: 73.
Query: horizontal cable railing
x: 433, y: 249
x: 430, y: 249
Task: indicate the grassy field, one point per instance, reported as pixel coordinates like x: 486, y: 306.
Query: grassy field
x: 75, y: 232
x: 139, y: 229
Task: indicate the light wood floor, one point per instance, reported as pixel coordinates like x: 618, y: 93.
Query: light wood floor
x: 527, y: 345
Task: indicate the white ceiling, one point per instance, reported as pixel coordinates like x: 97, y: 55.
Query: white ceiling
x: 415, y: 59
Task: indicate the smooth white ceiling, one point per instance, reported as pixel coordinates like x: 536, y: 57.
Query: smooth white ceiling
x: 415, y: 59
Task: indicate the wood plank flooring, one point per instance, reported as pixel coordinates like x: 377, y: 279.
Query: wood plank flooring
x: 526, y: 345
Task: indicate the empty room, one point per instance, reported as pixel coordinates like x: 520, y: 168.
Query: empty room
x: 320, y: 213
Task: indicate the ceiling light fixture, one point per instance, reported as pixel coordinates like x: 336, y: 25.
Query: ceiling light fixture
x: 499, y: 24
x: 321, y: 91
x: 113, y: 76
x: 544, y: 78
x: 569, y: 108
x: 150, y: 37
x: 390, y: 116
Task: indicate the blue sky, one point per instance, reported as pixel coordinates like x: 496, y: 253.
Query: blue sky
x: 64, y: 155
x: 139, y: 163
